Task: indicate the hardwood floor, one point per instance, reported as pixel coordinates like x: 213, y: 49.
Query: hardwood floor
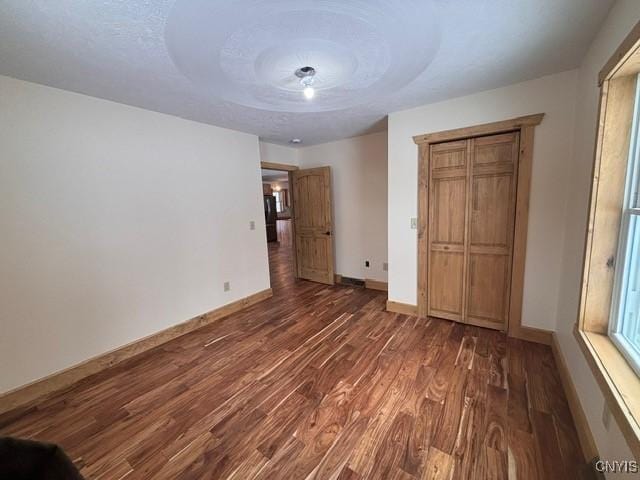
x: 284, y: 232
x: 318, y: 382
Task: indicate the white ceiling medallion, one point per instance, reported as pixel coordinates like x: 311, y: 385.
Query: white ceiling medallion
x: 359, y: 49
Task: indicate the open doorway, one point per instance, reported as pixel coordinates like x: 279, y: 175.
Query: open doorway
x: 299, y: 223
x: 278, y: 213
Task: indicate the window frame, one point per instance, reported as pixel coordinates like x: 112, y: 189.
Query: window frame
x: 619, y: 382
x: 629, y: 210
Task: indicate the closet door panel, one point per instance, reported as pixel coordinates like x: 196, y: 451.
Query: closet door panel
x: 488, y: 282
x: 449, y: 155
x: 493, y: 180
x: 491, y: 210
x: 447, y: 229
x: 449, y: 195
x: 447, y: 283
x: 494, y: 150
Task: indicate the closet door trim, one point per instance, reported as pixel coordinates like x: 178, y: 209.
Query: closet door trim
x: 526, y: 127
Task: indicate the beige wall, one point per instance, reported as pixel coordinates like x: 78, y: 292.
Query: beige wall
x: 553, y: 95
x: 359, y: 179
x: 270, y: 152
x: 621, y: 19
x: 116, y: 223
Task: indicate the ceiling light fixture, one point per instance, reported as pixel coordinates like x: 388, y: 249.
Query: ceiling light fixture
x: 295, y: 140
x: 306, y: 75
x: 309, y: 92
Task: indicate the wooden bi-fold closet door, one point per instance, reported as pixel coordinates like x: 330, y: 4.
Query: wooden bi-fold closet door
x: 472, y: 185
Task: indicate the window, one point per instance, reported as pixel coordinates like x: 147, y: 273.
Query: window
x: 279, y: 201
x: 624, y: 326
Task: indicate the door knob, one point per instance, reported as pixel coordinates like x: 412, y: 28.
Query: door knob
x: 327, y: 233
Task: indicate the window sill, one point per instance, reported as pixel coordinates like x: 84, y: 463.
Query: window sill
x: 618, y: 382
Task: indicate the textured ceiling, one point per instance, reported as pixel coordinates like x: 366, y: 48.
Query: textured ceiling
x: 232, y: 63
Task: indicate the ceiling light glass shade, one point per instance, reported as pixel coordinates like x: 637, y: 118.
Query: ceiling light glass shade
x: 309, y: 92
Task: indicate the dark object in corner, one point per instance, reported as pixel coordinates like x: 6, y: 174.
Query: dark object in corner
x: 354, y: 282
x: 30, y: 460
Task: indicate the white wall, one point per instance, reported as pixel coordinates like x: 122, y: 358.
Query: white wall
x: 623, y: 16
x: 553, y: 95
x: 116, y: 223
x: 270, y: 152
x: 359, y: 180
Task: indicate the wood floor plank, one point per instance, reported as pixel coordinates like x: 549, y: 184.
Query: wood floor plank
x: 439, y: 465
x: 452, y: 412
x: 420, y: 435
x: 391, y: 453
x: 335, y: 460
x: 547, y: 446
x: 363, y: 457
x: 317, y: 382
x: 523, y: 460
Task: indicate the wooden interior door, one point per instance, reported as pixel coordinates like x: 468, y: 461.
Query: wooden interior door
x: 447, y: 233
x: 472, y: 196
x: 313, y: 224
x: 492, y: 187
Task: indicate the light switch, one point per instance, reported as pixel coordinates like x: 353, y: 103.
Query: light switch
x: 252, y: 225
x: 414, y: 223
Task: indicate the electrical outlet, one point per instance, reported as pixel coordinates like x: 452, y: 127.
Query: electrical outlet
x: 414, y: 223
x: 385, y: 267
x: 252, y: 225
x: 227, y: 286
x: 366, y: 263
